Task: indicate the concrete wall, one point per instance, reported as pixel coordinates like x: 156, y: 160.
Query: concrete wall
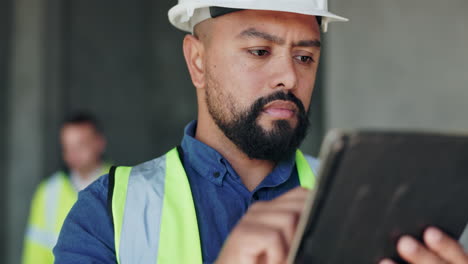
x: 124, y: 61
x: 398, y: 64
x: 26, y: 99
x: 5, y: 30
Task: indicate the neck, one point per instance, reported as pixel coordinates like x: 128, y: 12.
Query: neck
x: 251, y: 171
x: 87, y: 172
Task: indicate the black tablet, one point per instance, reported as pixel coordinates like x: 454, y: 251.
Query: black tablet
x: 374, y: 187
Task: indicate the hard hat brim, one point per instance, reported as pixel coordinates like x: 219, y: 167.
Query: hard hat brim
x: 181, y: 14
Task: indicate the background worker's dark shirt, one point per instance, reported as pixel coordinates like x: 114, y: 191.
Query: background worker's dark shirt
x: 220, y: 198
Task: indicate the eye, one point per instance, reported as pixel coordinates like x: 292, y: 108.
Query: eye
x: 305, y: 59
x: 259, y: 52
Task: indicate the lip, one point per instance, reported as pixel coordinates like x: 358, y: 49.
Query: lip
x: 280, y: 109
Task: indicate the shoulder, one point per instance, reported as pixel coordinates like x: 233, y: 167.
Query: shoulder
x: 146, y: 169
x: 87, y: 234
x: 91, y: 200
x: 98, y: 189
x: 53, y: 178
x: 49, y: 183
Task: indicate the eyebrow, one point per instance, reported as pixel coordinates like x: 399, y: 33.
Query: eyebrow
x: 254, y: 33
x: 308, y: 43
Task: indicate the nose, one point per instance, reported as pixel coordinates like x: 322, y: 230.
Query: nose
x: 284, y: 75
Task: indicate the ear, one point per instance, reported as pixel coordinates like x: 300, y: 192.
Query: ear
x: 194, y: 57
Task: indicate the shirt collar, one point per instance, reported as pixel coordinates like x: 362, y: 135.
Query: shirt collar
x: 280, y: 174
x: 208, y: 163
x: 205, y: 160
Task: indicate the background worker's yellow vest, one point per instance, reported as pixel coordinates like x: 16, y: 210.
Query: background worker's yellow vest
x: 50, y: 205
x: 154, y: 214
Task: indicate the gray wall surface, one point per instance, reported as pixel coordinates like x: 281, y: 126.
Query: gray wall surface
x: 124, y: 61
x: 398, y: 64
x: 5, y: 30
x: 26, y: 99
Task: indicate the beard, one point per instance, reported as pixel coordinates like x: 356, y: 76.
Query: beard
x: 242, y: 128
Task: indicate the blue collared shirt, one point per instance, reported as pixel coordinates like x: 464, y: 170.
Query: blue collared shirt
x: 220, y: 198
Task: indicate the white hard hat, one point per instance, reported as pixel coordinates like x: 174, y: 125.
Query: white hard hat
x: 187, y: 13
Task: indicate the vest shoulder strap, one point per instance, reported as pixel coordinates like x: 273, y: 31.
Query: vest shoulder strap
x: 154, y: 214
x: 305, y: 170
x: 110, y: 192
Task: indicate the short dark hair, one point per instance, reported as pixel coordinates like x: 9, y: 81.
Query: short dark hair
x: 82, y: 117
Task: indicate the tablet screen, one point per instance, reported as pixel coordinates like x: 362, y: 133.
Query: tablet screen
x: 375, y: 187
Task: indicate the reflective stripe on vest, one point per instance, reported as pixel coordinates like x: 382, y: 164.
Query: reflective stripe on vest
x: 48, y: 235
x: 154, y: 213
x: 50, y: 205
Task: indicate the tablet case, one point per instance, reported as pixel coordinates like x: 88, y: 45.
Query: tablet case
x: 376, y: 186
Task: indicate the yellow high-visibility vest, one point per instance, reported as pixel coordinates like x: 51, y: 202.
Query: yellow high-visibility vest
x: 50, y: 205
x: 154, y: 214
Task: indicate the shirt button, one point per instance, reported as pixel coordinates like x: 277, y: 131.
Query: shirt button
x: 216, y: 174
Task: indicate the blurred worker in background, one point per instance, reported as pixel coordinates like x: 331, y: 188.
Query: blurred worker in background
x: 230, y: 192
x: 83, y: 145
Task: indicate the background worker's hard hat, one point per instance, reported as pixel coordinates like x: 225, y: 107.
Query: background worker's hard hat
x: 187, y: 13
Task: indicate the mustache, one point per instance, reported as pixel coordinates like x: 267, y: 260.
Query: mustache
x: 260, y: 103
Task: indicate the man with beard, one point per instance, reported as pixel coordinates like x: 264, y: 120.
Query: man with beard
x: 229, y: 193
